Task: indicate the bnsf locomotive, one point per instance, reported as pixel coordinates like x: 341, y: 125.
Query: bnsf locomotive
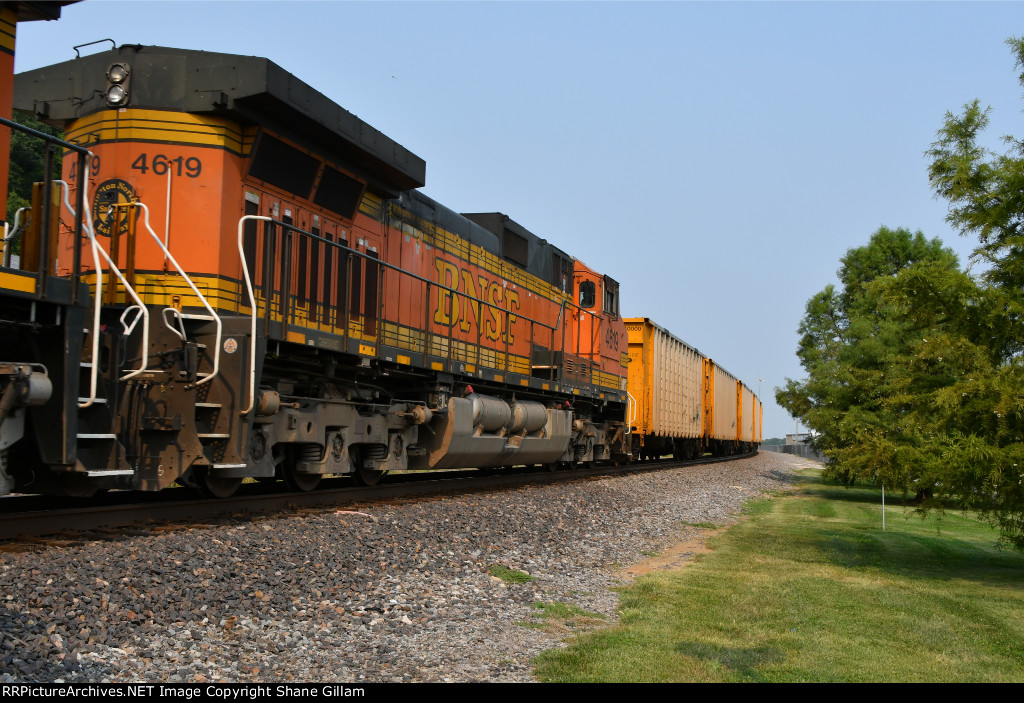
x: 235, y: 277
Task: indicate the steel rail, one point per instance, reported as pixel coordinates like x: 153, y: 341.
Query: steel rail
x: 155, y: 509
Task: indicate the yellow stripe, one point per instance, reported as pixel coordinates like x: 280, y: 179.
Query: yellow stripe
x: 454, y: 244
x: 249, y: 138
x: 8, y: 29
x: 225, y: 295
x: 160, y: 289
x: 12, y: 281
x: 416, y: 340
x: 161, y: 126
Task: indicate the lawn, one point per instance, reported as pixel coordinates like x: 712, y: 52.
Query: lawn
x: 809, y: 588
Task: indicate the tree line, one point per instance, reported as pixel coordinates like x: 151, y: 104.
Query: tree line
x: 915, y: 366
x: 28, y: 155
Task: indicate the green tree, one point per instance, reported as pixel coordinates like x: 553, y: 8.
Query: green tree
x: 964, y: 396
x: 915, y: 369
x: 851, y: 338
x: 905, y: 385
x: 985, y: 189
x: 983, y: 413
x: 27, y: 162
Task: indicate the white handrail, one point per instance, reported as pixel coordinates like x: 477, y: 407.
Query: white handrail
x: 252, y: 304
x: 202, y: 298
x: 167, y: 211
x: 97, y: 301
x: 179, y: 333
x: 129, y: 328
x: 631, y: 412
x: 87, y: 225
x: 11, y: 233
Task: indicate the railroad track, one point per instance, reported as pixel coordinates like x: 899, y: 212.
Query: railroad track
x: 40, y: 519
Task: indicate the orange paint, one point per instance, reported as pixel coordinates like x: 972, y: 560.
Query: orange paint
x: 472, y: 306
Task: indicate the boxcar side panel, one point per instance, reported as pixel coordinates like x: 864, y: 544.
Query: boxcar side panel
x: 725, y: 405
x: 748, y: 416
x: 665, y: 379
x: 676, y: 394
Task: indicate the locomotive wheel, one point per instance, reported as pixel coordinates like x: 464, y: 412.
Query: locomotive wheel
x: 368, y: 477
x: 362, y: 475
x: 77, y: 491
x: 216, y: 486
x: 285, y: 459
x: 299, y: 482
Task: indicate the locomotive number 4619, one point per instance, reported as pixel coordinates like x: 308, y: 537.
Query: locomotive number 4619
x: 159, y: 164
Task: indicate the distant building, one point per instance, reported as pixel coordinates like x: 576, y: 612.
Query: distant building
x: 795, y: 444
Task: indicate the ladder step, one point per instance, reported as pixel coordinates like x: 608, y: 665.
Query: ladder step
x: 212, y: 435
x: 94, y: 400
x: 115, y: 472
x: 90, y: 435
x: 229, y: 466
x: 86, y: 364
x: 209, y: 405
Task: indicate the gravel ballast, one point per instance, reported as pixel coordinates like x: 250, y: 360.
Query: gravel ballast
x: 373, y: 593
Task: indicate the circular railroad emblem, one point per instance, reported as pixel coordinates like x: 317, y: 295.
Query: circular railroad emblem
x: 110, y: 194
x: 230, y: 345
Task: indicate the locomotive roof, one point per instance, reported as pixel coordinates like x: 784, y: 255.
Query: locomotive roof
x: 249, y: 88
x: 44, y: 10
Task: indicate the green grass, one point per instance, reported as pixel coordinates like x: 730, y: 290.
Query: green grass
x: 507, y: 574
x: 705, y: 525
x: 809, y: 588
x: 563, y: 617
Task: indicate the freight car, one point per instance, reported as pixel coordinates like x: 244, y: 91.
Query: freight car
x: 685, y: 404
x: 269, y: 296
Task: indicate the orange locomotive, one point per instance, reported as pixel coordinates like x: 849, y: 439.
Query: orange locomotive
x: 273, y: 297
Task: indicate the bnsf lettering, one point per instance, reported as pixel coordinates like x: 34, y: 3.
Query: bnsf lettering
x: 452, y: 309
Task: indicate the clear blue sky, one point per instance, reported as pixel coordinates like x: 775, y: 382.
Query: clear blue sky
x: 716, y: 158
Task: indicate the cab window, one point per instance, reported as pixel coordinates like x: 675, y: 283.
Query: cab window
x: 588, y: 294
x: 611, y: 297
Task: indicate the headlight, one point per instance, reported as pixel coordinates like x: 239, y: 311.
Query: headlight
x: 118, y: 80
x: 117, y: 73
x: 116, y: 95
